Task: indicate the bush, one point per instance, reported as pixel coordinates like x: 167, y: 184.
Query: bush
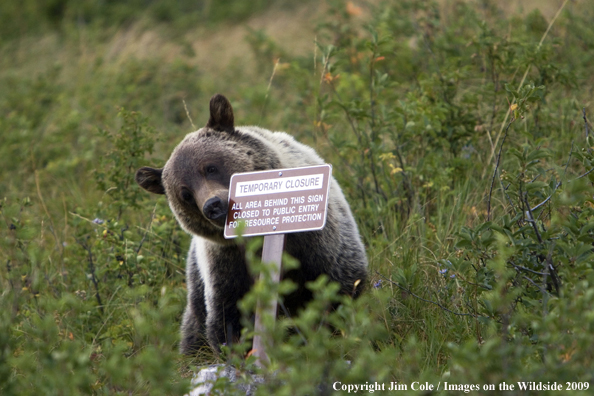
x: 460, y: 136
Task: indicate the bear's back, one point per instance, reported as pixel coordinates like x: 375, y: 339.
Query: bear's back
x: 290, y: 152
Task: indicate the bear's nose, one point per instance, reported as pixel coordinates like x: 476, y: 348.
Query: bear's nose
x: 214, y: 209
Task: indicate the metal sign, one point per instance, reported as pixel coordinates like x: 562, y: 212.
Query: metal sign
x: 278, y: 201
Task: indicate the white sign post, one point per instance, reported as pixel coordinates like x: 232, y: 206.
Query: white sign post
x: 273, y: 203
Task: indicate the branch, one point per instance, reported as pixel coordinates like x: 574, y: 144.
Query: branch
x: 511, y: 203
x: 378, y: 189
x: 568, y: 159
x: 407, y: 184
x: 585, y: 174
x: 496, y: 169
x: 519, y: 267
x: 147, y: 230
x: 429, y: 301
x: 553, y: 271
x: 8, y: 269
x: 92, y: 271
x: 526, y: 73
x: 557, y: 185
x: 531, y: 219
x: 534, y: 283
x: 548, y: 198
x: 357, y: 134
x: 586, y: 123
x: 288, y: 315
x: 548, y: 262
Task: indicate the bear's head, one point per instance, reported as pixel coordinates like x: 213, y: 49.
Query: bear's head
x: 196, y: 177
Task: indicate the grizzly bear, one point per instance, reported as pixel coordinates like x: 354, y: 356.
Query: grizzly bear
x: 195, y: 180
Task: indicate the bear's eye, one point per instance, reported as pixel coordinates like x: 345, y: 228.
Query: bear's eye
x: 187, y: 196
x: 211, y: 169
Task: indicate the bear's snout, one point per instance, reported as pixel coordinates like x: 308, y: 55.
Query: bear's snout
x: 215, y: 209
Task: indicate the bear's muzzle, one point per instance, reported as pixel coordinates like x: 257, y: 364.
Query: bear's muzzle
x: 215, y: 210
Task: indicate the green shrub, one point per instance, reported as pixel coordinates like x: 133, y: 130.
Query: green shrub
x: 459, y: 134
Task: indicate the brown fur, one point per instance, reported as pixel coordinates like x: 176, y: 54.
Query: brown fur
x: 196, y: 181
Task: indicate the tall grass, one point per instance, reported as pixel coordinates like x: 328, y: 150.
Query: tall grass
x: 469, y: 284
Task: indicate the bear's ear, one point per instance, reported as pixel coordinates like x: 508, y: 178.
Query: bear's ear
x: 221, y: 114
x: 150, y: 179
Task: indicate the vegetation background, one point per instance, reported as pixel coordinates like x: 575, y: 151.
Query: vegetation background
x: 458, y: 130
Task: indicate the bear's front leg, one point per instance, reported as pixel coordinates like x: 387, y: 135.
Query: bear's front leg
x: 193, y: 328
x: 223, y: 325
x: 230, y: 281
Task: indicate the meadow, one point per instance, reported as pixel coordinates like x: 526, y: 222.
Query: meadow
x: 460, y: 131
